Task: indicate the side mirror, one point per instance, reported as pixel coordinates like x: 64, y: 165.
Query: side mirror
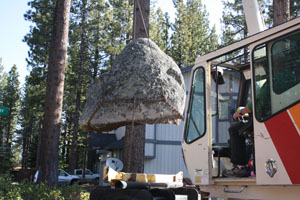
x: 217, y: 76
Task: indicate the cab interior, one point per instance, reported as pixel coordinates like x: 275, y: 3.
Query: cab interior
x: 231, y: 88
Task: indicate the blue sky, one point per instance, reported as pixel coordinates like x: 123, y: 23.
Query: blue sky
x: 14, y: 28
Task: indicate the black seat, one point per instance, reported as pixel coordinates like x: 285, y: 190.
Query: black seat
x: 224, y: 150
x: 247, y: 130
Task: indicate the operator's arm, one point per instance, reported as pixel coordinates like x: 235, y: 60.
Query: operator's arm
x: 242, y: 112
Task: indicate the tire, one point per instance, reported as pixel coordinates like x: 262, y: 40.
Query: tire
x: 96, y: 181
x: 74, y: 182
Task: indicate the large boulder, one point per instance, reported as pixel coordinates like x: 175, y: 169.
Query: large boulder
x: 144, y: 86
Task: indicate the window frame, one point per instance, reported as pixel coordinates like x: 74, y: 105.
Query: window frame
x: 191, y: 99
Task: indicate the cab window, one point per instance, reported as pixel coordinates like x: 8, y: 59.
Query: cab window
x: 195, y: 123
x: 276, y: 67
x: 286, y: 63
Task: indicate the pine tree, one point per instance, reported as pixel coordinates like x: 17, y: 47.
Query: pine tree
x: 119, y: 30
x: 3, y: 156
x: 159, y: 28
x: 234, y: 22
x: 54, y: 95
x: 31, y: 115
x: 82, y: 63
x: 41, y: 14
x: 98, y: 32
x: 235, y: 27
x: 3, y: 78
x: 96, y: 55
x: 281, y: 11
x: 192, y: 36
x: 11, y: 98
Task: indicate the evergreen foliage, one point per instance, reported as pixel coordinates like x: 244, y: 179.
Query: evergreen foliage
x: 159, y: 29
x: 234, y: 27
x: 191, y: 35
x: 40, y: 13
x: 10, y: 98
x: 234, y: 23
x: 3, y: 78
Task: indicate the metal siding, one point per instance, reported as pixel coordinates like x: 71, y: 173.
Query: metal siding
x: 168, y: 161
x: 150, y: 130
x: 186, y: 77
x: 149, y: 149
x: 169, y: 132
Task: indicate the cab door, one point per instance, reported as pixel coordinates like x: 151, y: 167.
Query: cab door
x: 276, y: 71
x: 197, y: 140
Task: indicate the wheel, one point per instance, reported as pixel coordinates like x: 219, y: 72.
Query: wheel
x: 74, y: 182
x: 96, y: 181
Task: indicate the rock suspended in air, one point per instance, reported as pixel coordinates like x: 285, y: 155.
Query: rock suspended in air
x: 144, y: 86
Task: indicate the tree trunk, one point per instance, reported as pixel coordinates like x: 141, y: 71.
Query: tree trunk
x: 24, y: 152
x: 26, y: 143
x: 64, y: 139
x: 9, y: 136
x: 74, y: 146
x: 54, y: 94
x: 39, y: 145
x: 68, y: 144
x: 96, y: 64
x: 141, y: 19
x: 134, y: 149
x: 281, y: 11
x: 134, y: 140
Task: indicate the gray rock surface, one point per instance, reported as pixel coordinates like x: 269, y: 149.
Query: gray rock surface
x: 144, y: 86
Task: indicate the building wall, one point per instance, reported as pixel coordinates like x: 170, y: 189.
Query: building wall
x: 168, y: 160
x: 163, y: 149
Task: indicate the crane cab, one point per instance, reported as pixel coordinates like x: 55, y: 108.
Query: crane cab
x: 263, y: 69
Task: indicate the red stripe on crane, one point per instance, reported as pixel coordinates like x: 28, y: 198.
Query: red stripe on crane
x: 287, y: 142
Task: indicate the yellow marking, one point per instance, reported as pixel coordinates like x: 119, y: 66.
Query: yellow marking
x: 112, y: 176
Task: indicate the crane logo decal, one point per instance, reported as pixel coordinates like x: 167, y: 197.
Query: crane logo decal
x: 271, y: 167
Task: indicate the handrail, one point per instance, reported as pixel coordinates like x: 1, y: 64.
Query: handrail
x: 234, y: 191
